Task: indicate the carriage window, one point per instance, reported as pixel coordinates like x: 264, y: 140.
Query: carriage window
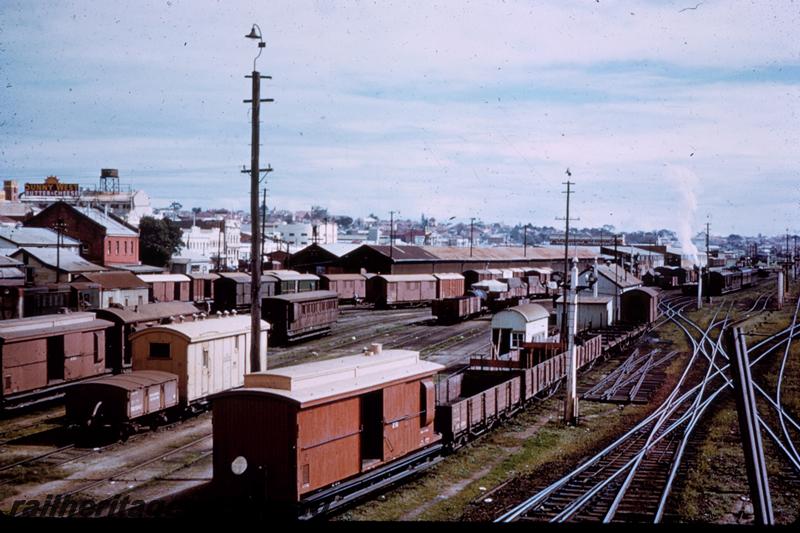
x: 205, y: 357
x: 159, y: 350
x: 97, y: 358
x: 236, y: 341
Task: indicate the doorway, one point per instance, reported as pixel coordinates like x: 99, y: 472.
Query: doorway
x: 55, y: 358
x: 371, y: 428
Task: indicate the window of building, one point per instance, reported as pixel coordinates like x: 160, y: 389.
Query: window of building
x: 517, y: 339
x: 126, y: 247
x: 159, y: 350
x: 118, y: 247
x: 109, y: 247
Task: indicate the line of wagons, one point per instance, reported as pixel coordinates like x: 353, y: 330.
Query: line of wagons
x: 717, y: 282
x: 308, y: 438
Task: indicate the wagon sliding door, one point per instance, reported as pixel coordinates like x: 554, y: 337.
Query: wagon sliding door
x: 371, y: 428
x: 55, y: 357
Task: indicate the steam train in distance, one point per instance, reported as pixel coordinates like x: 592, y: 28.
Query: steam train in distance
x: 721, y: 281
x: 306, y: 439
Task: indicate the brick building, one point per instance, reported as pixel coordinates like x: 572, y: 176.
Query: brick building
x: 105, y: 239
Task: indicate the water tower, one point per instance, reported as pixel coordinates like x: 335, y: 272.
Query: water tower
x: 109, y: 180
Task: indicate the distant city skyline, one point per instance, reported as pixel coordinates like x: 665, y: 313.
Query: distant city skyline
x: 453, y: 110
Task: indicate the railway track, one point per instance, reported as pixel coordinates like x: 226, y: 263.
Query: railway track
x: 631, y: 479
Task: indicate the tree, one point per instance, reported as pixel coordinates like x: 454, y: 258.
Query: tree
x: 159, y: 240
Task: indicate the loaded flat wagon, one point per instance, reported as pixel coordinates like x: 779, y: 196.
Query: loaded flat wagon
x: 300, y: 315
x: 40, y: 356
x: 349, y: 287
x: 401, y: 289
x: 449, y: 285
x: 315, y: 436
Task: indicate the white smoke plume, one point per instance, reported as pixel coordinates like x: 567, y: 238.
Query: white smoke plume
x: 686, y: 183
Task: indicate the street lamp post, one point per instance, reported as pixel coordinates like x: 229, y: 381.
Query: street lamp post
x: 255, y: 241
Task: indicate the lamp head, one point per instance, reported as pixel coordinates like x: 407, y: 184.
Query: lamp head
x: 254, y: 33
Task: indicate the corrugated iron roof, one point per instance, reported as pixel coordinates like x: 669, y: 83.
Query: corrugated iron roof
x: 203, y: 275
x: 115, y: 280
x: 68, y: 261
x: 113, y: 227
x: 619, y: 278
x: 29, y: 236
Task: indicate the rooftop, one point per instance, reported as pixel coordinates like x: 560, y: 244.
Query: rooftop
x: 67, y: 261
x: 313, y: 382
x: 113, y: 226
x: 206, y: 329
x: 27, y: 236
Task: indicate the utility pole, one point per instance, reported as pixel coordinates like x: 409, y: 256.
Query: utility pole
x: 571, y: 401
x: 59, y: 226
x: 391, y: 235
x: 525, y: 241
x: 255, y: 241
x: 708, y: 260
x: 471, y: 227
x: 565, y: 282
x: 263, y: 219
x: 616, y: 279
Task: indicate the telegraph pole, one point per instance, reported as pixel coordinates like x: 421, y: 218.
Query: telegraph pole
x: 391, y: 235
x: 60, y: 226
x: 263, y: 219
x: 708, y: 260
x: 525, y: 242
x: 565, y: 282
x: 255, y: 241
x: 471, y: 227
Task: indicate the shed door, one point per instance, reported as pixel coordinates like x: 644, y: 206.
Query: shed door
x: 372, y: 426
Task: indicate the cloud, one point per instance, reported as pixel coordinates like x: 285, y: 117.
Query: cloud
x: 443, y: 109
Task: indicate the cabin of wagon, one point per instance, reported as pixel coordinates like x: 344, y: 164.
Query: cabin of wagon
x: 208, y: 355
x: 639, y: 305
x: 118, y: 287
x: 167, y: 287
x: 593, y: 311
x: 201, y: 287
x: 302, y: 428
x: 449, y: 285
x: 289, y: 281
x: 300, y: 314
x: 398, y: 289
x: 128, y: 320
x: 349, y: 287
x: 46, y: 352
x: 517, y: 325
x: 232, y: 291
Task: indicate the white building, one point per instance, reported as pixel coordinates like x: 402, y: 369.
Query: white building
x: 205, y: 245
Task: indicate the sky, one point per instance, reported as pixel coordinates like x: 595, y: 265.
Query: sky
x: 665, y: 112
